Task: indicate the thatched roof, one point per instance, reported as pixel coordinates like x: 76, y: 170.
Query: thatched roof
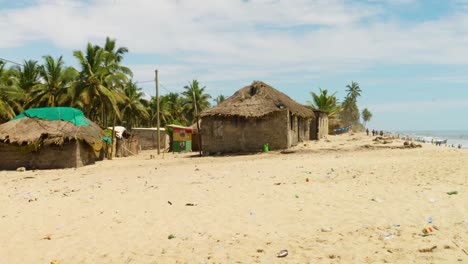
x: 257, y: 100
x: 26, y: 131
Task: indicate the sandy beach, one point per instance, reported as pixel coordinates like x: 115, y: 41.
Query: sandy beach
x: 333, y: 201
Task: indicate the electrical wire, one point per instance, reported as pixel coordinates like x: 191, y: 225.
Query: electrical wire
x: 2, y: 59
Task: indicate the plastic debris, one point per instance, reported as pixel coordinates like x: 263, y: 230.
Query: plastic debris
x: 427, y: 250
x: 429, y: 220
x: 452, y: 192
x: 427, y: 230
x: 283, y: 253
x: 388, y: 236
x: 377, y: 200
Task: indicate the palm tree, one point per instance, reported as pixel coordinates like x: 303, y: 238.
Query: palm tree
x: 220, y: 99
x: 133, y: 109
x: 324, y: 102
x: 28, y: 75
x: 10, y: 95
x: 354, y: 91
x: 93, y: 91
x: 24, y: 78
x: 175, y: 107
x: 193, y: 90
x: 56, y: 80
x: 164, y: 111
x: 366, y: 116
x: 115, y: 56
x: 350, y: 111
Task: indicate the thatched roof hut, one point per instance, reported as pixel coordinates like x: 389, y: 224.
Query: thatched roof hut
x: 35, y: 142
x: 257, y: 100
x: 38, y: 132
x: 254, y: 116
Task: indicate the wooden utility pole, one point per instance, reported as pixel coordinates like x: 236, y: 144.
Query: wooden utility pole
x: 198, y: 124
x: 158, y: 138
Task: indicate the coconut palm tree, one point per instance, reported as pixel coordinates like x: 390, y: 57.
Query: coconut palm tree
x: 10, y: 95
x: 201, y: 99
x: 133, y: 110
x: 220, y: 99
x: 24, y: 78
x: 350, y: 111
x: 93, y: 91
x: 175, y: 107
x: 354, y: 91
x: 27, y: 76
x: 115, y: 56
x: 165, y: 116
x: 323, y: 101
x: 56, y: 80
x: 366, y: 116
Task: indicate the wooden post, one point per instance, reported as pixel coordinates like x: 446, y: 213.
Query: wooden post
x: 198, y: 124
x: 113, y: 138
x: 158, y: 138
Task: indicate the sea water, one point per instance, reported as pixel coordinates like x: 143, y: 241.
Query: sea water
x: 454, y: 137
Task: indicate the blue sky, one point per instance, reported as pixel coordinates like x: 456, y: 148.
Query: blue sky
x: 409, y: 56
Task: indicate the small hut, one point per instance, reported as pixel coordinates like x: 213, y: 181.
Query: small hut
x: 50, y: 138
x: 254, y: 116
x: 319, y: 127
x: 181, y: 138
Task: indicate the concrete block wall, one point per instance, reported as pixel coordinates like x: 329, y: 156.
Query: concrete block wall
x: 234, y: 134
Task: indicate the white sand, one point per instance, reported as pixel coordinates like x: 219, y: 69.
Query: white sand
x: 359, y: 206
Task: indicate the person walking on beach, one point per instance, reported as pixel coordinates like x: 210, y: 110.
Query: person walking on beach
x: 367, y: 131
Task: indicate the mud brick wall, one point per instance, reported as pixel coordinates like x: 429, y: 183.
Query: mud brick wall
x: 71, y: 154
x: 236, y: 134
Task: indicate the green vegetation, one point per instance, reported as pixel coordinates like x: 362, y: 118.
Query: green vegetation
x: 104, y: 90
x: 325, y: 102
x: 101, y: 87
x: 344, y: 114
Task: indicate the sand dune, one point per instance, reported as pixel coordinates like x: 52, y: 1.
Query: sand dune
x: 331, y: 201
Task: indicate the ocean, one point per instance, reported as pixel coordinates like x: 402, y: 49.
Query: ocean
x: 454, y: 137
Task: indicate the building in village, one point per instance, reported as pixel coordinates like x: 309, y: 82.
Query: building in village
x: 254, y: 116
x: 50, y: 138
x: 319, y: 126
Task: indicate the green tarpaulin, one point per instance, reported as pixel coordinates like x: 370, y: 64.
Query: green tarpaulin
x: 69, y: 114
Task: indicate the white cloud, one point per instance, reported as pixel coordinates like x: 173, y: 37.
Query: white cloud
x: 242, y: 39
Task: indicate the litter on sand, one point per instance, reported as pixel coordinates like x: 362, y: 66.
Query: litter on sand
x: 427, y: 250
x: 283, y: 253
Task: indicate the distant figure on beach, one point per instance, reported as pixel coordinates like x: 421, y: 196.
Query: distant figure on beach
x: 459, y: 146
x: 367, y: 131
x: 381, y: 133
x: 373, y: 132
